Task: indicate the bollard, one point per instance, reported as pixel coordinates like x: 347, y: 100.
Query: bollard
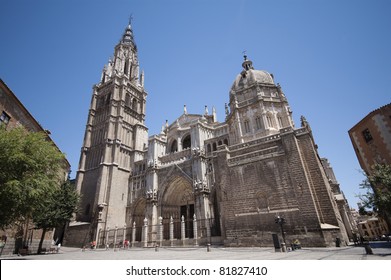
x: 156, y: 248
x: 283, y: 247
x: 208, y: 247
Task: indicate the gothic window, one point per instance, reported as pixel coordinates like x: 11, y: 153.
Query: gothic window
x: 214, y: 147
x: 134, y: 104
x: 270, y: 120
x: 258, y: 122
x: 246, y: 126
x: 208, y: 148
x: 126, y: 68
x: 108, y: 97
x: 174, y: 146
x: 226, y: 142
x: 4, y: 118
x: 367, y: 135
x: 280, y: 121
x: 127, y: 100
x: 220, y: 143
x: 186, y: 142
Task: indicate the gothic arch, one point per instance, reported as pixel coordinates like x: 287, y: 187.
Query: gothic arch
x: 177, y: 200
x: 186, y: 143
x: 270, y: 120
x: 138, y: 216
x: 173, y: 146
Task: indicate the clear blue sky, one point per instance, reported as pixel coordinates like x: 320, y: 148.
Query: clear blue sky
x: 332, y: 59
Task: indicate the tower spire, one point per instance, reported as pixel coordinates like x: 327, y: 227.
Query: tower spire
x: 127, y: 37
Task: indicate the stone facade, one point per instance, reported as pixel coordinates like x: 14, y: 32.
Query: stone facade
x: 14, y: 114
x: 200, y: 180
x: 371, y: 140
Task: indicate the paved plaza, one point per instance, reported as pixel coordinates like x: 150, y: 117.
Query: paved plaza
x: 381, y: 251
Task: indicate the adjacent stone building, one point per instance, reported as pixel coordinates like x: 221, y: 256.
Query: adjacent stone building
x: 371, y: 140
x: 14, y: 114
x: 200, y: 181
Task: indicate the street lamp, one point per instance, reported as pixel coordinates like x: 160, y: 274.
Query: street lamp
x: 280, y: 221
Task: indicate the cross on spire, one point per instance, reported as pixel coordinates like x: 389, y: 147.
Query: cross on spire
x: 244, y: 54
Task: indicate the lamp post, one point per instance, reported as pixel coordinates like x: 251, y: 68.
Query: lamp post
x: 280, y: 221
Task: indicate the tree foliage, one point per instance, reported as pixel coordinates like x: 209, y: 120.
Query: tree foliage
x: 29, y: 170
x: 55, y: 209
x: 378, y: 189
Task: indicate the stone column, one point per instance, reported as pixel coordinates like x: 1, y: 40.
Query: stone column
x: 107, y: 237
x: 98, y: 238
x: 115, y: 238
x: 183, y: 230
x: 145, y: 237
x: 208, y: 233
x: 195, y: 230
x: 124, y: 236
x: 160, y: 231
x: 133, y: 234
x: 171, y: 231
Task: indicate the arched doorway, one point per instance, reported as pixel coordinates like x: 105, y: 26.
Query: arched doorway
x: 178, y: 201
x: 138, y: 218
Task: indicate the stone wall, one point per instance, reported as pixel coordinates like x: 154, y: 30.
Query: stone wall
x: 265, y: 180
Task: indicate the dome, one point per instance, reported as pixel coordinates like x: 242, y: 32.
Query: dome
x: 250, y: 76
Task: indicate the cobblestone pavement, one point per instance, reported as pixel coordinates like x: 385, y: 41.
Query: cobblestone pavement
x: 381, y: 251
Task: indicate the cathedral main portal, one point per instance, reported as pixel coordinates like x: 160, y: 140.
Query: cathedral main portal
x: 178, y: 206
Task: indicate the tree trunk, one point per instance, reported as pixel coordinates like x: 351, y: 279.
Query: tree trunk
x: 41, y: 241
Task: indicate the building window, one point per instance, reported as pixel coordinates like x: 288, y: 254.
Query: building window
x: 280, y: 121
x: 367, y: 135
x: 246, y: 126
x: 186, y: 144
x: 270, y: 120
x: 174, y: 147
x: 4, y: 118
x: 258, y: 123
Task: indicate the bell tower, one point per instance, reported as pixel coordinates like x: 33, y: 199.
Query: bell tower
x: 115, y: 137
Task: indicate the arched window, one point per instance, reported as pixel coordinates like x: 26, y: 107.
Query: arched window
x: 208, y: 148
x: 186, y: 144
x: 214, y: 147
x: 220, y: 143
x: 126, y: 67
x: 127, y: 100
x: 258, y: 122
x: 226, y: 142
x: 280, y: 123
x: 174, y: 146
x: 246, y: 126
x: 270, y: 120
x: 134, y: 104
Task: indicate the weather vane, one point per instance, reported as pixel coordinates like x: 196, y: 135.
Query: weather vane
x: 244, y: 54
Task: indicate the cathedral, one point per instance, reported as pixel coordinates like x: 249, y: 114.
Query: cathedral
x: 240, y: 182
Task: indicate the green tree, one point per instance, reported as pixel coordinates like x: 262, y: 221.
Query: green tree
x: 30, y: 167
x: 378, y: 190
x: 56, y: 209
